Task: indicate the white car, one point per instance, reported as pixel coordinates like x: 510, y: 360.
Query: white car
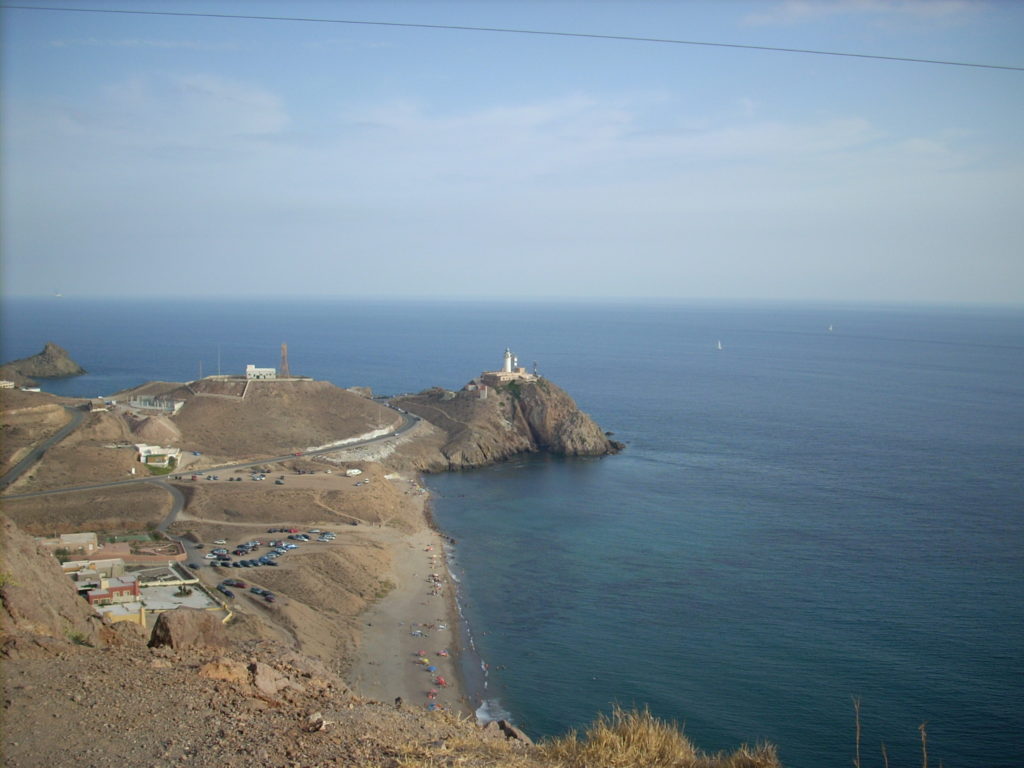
x: 210, y: 556
x: 221, y: 541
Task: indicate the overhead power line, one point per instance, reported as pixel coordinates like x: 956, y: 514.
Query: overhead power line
x: 514, y: 31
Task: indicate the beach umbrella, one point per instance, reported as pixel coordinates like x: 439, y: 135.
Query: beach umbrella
x: 431, y: 668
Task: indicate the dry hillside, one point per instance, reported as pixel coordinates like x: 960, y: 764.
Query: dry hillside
x: 110, y: 510
x: 28, y: 418
x: 99, y: 449
x: 276, y: 418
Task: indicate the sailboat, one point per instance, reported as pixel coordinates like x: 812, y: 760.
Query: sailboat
x: 830, y: 327
x: 720, y: 347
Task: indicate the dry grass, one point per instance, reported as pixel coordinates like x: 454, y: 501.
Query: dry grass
x: 636, y: 738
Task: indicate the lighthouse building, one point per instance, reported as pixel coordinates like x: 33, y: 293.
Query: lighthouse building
x: 510, y: 371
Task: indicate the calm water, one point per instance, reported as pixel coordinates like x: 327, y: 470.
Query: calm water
x: 799, y: 518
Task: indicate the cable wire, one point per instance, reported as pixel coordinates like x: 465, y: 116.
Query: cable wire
x: 514, y: 31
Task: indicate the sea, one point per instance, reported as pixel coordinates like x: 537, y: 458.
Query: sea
x: 816, y: 505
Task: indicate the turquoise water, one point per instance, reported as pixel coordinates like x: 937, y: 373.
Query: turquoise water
x: 800, y: 518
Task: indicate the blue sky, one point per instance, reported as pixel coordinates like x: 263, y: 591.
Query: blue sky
x: 206, y: 156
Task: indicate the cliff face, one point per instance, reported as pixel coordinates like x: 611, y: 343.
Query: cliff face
x: 520, y: 417
x: 52, y: 363
x: 39, y: 603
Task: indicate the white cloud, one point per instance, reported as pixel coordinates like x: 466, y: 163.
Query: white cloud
x: 183, y: 110
x: 800, y: 11
x: 208, y: 171
x: 137, y: 42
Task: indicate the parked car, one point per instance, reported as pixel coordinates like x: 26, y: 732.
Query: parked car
x: 194, y: 566
x: 236, y: 583
x: 269, y: 597
x: 225, y: 590
x: 221, y: 541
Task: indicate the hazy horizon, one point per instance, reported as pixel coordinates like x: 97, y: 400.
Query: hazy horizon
x: 163, y: 156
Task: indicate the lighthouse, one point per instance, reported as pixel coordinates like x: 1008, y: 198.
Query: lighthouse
x: 510, y: 371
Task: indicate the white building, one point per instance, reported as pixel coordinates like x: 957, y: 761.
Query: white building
x: 252, y: 372
x: 157, y: 455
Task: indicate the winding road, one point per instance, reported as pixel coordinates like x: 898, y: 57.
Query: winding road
x: 36, y: 453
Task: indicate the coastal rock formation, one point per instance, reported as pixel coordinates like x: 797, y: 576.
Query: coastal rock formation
x: 40, y: 606
x: 484, y: 425
x: 185, y: 628
x: 52, y: 363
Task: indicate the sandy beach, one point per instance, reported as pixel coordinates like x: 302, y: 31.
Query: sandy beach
x: 412, y: 628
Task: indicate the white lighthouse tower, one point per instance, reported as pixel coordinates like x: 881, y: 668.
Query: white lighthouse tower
x: 510, y: 371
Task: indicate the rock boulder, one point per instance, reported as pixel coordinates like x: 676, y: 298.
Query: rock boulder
x: 188, y: 628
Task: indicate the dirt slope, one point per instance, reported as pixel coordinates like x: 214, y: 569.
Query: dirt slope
x: 278, y: 417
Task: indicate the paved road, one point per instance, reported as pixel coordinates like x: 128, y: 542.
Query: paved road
x: 34, y: 455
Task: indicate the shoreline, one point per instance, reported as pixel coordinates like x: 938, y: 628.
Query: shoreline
x: 415, y: 626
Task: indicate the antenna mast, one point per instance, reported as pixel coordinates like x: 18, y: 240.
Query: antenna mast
x: 284, y: 373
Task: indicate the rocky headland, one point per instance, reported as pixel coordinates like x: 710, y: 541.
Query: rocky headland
x: 481, y: 426
x: 52, y: 363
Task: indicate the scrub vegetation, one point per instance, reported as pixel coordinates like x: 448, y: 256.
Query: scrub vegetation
x: 636, y: 737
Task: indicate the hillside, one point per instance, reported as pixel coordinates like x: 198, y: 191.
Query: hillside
x: 27, y: 419
x: 273, y: 418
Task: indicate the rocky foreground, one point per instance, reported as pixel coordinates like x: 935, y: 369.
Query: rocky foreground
x: 189, y: 694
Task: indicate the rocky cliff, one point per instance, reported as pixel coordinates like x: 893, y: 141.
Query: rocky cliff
x: 40, y: 606
x: 483, y: 426
x: 52, y: 363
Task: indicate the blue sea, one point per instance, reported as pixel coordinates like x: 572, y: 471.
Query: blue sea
x: 800, y: 518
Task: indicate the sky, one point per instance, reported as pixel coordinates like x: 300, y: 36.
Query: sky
x: 151, y: 155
